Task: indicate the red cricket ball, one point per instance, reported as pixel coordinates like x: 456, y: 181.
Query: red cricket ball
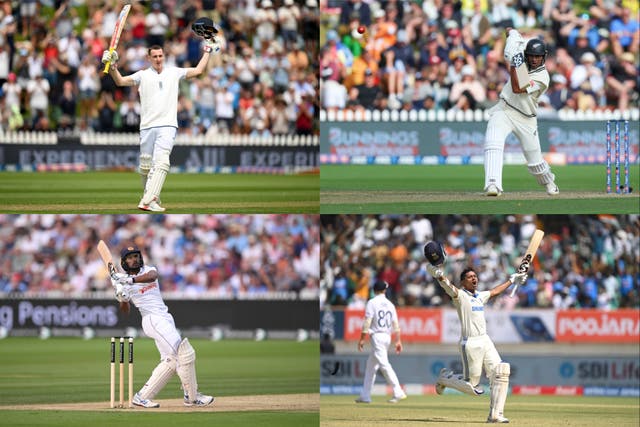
x: 362, y: 29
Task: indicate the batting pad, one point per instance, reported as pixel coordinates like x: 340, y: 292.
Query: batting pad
x: 542, y: 172
x: 156, y: 177
x: 187, y: 369
x: 159, y: 378
x: 455, y: 381
x: 145, y: 163
x: 493, y: 159
x: 499, y: 389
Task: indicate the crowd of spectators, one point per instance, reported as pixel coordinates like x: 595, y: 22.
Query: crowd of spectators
x: 584, y: 261
x: 224, y: 256
x: 263, y: 83
x: 448, y: 54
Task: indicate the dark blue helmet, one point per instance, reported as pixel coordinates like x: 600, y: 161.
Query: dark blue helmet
x: 434, y: 253
x: 126, y: 251
x: 204, y: 27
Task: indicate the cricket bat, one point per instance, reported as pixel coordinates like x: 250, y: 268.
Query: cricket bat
x: 115, y: 37
x: 534, y: 243
x: 105, y: 254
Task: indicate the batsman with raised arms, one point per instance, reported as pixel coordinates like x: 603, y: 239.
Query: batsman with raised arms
x: 140, y: 286
x: 476, y: 348
x: 516, y: 112
x: 158, y: 87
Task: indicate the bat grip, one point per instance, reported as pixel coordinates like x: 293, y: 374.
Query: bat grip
x: 108, y: 64
x: 513, y: 291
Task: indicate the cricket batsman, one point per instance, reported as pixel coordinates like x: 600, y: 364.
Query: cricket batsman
x: 476, y: 348
x: 140, y: 286
x: 158, y: 88
x: 516, y: 112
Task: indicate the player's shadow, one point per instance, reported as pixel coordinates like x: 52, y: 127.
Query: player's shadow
x: 399, y: 421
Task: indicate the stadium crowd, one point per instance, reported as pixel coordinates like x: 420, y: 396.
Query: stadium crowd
x: 263, y: 83
x: 223, y: 256
x: 584, y: 260
x: 448, y: 54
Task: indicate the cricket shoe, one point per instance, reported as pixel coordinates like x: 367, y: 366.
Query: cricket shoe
x: 201, y: 400
x: 493, y: 190
x: 499, y: 419
x: 397, y: 399
x: 360, y: 400
x: 552, y: 189
x: 145, y: 403
x: 153, y: 206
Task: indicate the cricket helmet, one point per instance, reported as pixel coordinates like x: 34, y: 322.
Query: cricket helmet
x: 204, y: 27
x: 124, y: 253
x: 434, y: 253
x: 535, y: 47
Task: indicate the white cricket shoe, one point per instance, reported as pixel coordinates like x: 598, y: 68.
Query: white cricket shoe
x: 552, y: 189
x: 201, y: 400
x: 360, y: 400
x: 500, y: 419
x: 493, y: 190
x: 145, y: 403
x: 153, y: 206
x: 397, y: 399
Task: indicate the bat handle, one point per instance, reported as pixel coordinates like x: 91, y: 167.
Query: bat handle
x: 513, y: 291
x: 108, y: 64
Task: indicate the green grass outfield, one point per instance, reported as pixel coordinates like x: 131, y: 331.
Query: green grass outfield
x: 68, y: 370
x: 458, y: 188
x: 120, y: 192
x: 460, y: 410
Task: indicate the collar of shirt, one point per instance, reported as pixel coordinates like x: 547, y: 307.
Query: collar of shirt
x: 475, y: 295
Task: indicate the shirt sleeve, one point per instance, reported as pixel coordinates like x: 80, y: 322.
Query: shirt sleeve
x: 484, y: 296
x: 137, y: 77
x: 368, y: 311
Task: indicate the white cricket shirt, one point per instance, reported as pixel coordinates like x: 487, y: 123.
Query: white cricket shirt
x: 471, y: 312
x: 158, y: 96
x: 382, y: 313
x: 147, y: 297
x: 527, y: 104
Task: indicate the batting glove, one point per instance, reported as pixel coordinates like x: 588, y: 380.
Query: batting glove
x: 517, y: 59
x: 518, y: 278
x: 435, y: 271
x: 123, y: 278
x: 515, y: 44
x: 110, y: 57
x: 211, y: 45
x: 126, y: 281
x: 123, y: 293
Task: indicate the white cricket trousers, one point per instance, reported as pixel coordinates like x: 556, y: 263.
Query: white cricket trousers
x: 477, y: 352
x: 502, y: 122
x: 163, y: 330
x: 378, y: 359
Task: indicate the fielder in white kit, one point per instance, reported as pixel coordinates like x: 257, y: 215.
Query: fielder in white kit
x: 476, y: 348
x: 159, y: 86
x: 140, y: 286
x: 380, y: 319
x: 516, y: 112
